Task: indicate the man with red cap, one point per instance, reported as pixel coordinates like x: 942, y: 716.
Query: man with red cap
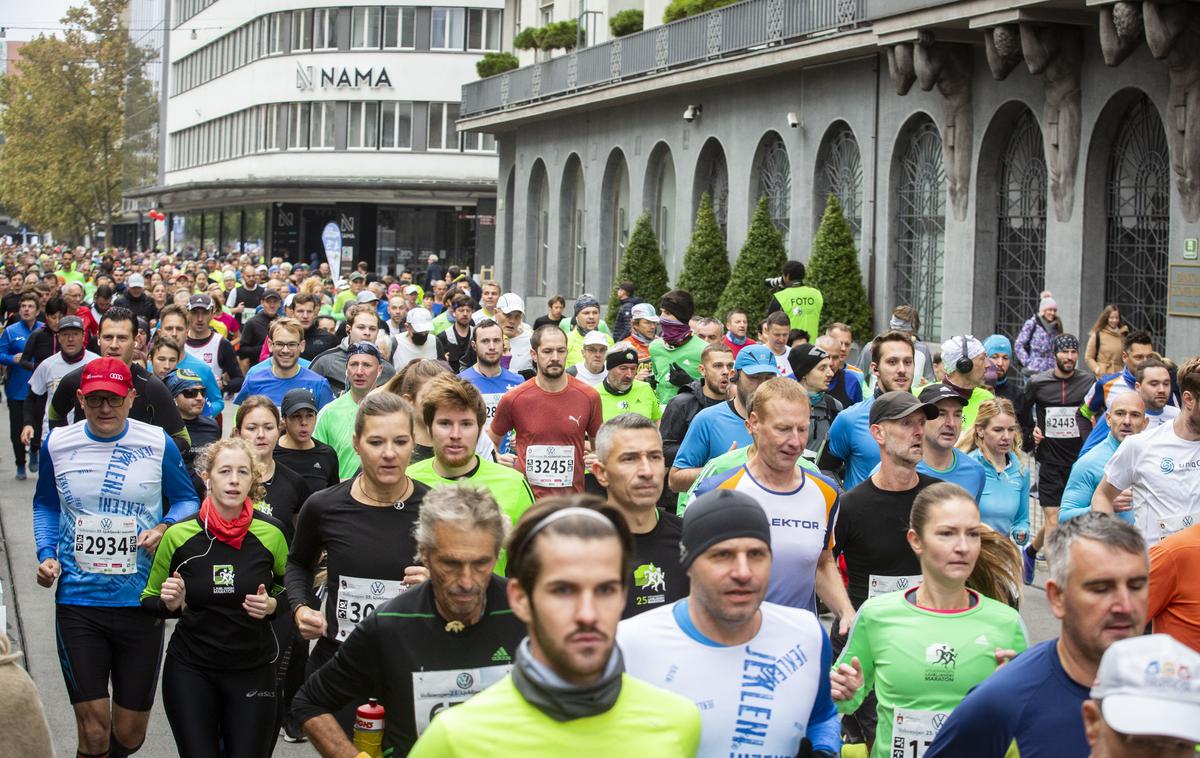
x: 98, y: 515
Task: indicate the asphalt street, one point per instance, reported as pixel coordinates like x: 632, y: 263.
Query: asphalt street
x: 30, y: 618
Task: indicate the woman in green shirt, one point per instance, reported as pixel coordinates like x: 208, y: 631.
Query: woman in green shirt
x: 922, y: 649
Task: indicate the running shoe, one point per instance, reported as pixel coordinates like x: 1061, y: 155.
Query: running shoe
x: 20, y: 473
x: 292, y: 733
x: 1030, y: 563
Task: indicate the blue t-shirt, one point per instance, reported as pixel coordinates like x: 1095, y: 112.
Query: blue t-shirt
x: 1030, y: 705
x: 711, y: 433
x: 265, y: 364
x: 965, y: 471
x: 266, y: 383
x: 492, y: 386
x: 1084, y: 479
x: 850, y: 439
x: 1004, y: 504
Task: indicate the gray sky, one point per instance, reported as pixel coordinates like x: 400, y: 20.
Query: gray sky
x: 39, y: 13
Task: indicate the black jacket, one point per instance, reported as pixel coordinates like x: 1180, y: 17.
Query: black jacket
x: 254, y: 334
x: 141, y: 306
x: 456, y: 350
x: 624, y: 323
x: 678, y: 415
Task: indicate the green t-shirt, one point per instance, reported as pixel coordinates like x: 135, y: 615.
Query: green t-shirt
x: 726, y: 462
x: 687, y: 356
x: 640, y: 400
x: 507, y: 486
x: 922, y: 663
x: 335, y: 427
x: 645, y: 721
x: 802, y: 305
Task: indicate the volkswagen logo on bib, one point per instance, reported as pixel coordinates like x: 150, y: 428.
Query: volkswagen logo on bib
x: 106, y: 524
x: 464, y: 681
x: 377, y: 588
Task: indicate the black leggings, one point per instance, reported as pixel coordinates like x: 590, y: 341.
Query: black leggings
x: 16, y: 422
x: 219, y: 713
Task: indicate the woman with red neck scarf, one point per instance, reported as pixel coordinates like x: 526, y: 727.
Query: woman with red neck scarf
x: 218, y: 573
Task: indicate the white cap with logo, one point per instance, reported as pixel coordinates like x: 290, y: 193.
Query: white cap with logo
x: 643, y: 311
x: 595, y: 338
x: 420, y: 319
x: 510, y: 302
x: 1150, y: 686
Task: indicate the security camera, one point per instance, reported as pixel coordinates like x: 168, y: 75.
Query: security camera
x: 793, y: 119
x: 691, y: 112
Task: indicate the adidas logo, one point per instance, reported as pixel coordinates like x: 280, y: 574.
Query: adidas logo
x: 501, y: 655
x: 982, y: 640
x: 316, y: 465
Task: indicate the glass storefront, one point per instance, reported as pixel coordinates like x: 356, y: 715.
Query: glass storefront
x: 254, y: 230
x: 406, y: 235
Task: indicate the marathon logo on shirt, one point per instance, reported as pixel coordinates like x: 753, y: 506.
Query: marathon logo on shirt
x: 940, y: 661
x: 222, y: 579
x: 761, y: 674
x: 650, y: 577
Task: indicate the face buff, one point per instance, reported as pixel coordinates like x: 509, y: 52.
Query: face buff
x: 561, y: 701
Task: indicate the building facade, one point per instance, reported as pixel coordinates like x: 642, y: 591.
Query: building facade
x: 984, y: 151
x: 283, y: 116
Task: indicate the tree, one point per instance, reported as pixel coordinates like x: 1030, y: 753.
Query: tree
x: 705, y: 269
x: 678, y: 9
x: 65, y: 119
x: 643, y: 265
x: 833, y: 269
x: 762, y: 256
x: 492, y: 64
x: 625, y: 22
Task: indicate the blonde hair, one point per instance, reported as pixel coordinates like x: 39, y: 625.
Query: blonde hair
x: 988, y: 410
x: 206, y: 458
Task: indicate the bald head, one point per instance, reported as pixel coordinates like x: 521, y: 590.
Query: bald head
x: 1126, y: 415
x: 833, y: 346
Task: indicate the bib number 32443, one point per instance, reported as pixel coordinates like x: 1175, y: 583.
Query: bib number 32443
x: 106, y: 544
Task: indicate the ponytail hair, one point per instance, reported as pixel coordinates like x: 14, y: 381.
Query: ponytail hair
x: 997, y: 570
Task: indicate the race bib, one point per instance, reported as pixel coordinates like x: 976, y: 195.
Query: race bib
x: 490, y: 401
x: 106, y: 544
x: 913, y: 731
x: 435, y: 691
x: 1061, y: 424
x: 358, y: 598
x: 550, y: 465
x: 882, y: 585
x: 1169, y: 525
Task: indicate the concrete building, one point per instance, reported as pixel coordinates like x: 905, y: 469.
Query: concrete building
x: 283, y: 116
x: 985, y: 150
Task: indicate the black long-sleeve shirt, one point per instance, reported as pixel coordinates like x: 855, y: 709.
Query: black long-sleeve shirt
x: 254, y: 334
x: 153, y: 404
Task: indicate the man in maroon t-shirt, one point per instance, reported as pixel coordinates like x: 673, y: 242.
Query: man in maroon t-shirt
x: 555, y: 417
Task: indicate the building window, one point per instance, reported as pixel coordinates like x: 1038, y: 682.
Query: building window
x: 1021, y: 226
x: 275, y: 34
x: 775, y: 183
x: 364, y: 27
x: 478, y: 142
x: 483, y: 29
x: 921, y: 227
x: 302, y: 37
x: 298, y: 127
x: 442, y: 134
x: 362, y: 126
x: 325, y: 29
x: 395, y: 126
x: 398, y: 31
x: 270, y: 126
x: 842, y: 177
x: 322, y: 125
x: 446, y: 29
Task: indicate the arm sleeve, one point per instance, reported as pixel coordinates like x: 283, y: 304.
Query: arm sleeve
x: 306, y: 548
x: 47, y: 510
x: 858, y: 646
x: 1077, y: 495
x: 596, y: 416
x: 352, y: 674
x: 6, y: 352
x: 34, y: 409
x: 1163, y: 580
x: 177, y: 486
x: 160, y: 569
x: 824, y: 728
x: 1094, y: 402
x: 248, y: 389
x: 1021, y: 522
x: 227, y: 360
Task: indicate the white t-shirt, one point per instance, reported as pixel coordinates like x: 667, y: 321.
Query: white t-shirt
x: 754, y: 699
x: 46, y: 377
x: 406, y: 350
x: 785, y: 366
x: 521, y: 350
x: 1168, y: 414
x: 1164, y: 472
x: 587, y: 377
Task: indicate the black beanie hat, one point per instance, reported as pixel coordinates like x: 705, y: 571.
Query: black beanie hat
x: 718, y: 516
x: 804, y: 358
x: 679, y: 303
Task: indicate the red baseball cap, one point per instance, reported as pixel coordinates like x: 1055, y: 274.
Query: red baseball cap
x: 106, y: 375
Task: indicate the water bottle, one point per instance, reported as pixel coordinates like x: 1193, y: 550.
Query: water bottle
x: 368, y: 728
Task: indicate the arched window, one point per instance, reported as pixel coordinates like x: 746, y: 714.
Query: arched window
x: 712, y: 176
x: 1021, y: 226
x: 921, y: 226
x: 1137, y: 220
x: 614, y: 210
x: 571, y: 228
x: 510, y: 199
x: 773, y: 179
x: 663, y: 193
x: 537, y: 228
x: 841, y: 175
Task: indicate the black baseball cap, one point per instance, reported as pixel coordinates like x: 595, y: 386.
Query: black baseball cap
x: 935, y: 393
x: 70, y: 322
x: 271, y: 294
x: 898, y: 404
x: 196, y: 302
x: 298, y: 399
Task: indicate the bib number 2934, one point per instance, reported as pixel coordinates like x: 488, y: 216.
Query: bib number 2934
x: 106, y: 544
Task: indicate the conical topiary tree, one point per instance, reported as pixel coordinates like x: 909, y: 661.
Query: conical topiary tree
x: 643, y: 265
x: 705, y: 269
x: 762, y: 256
x: 833, y: 269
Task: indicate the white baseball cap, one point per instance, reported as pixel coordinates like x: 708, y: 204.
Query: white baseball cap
x: 420, y: 319
x: 643, y: 311
x: 135, y: 280
x: 595, y: 338
x: 1150, y: 686
x: 510, y: 302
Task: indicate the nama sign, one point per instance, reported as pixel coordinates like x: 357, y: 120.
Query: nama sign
x: 341, y: 77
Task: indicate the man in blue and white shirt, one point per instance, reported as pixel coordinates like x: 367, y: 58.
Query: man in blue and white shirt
x: 97, y: 518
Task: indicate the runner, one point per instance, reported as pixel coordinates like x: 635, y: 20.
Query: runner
x: 284, y: 372
x: 98, y: 515
x: 717, y: 429
x: 407, y: 383
x: 620, y: 392
x: 215, y: 351
x: 775, y: 333
x: 723, y: 639
x: 1153, y: 386
x: 590, y: 370
x: 364, y: 525
x: 1031, y: 707
x: 847, y: 382
x: 567, y: 691
x: 716, y: 369
x: 994, y: 441
x: 315, y: 461
x: 1003, y: 379
x: 1138, y: 347
x: 48, y: 374
x: 454, y: 344
x: 43, y: 343
x: 1126, y: 415
x: 517, y: 352
x: 940, y: 458
x: 852, y: 449
x: 188, y: 390
x: 256, y: 328
x: 244, y: 299
x: 675, y: 355
x: 417, y: 341
x: 218, y: 572
x: 923, y: 649
x: 1161, y: 466
x: 587, y: 319
x: 488, y: 375
x: 152, y: 403
x: 1051, y: 404
x: 335, y: 422
x: 362, y: 326
x: 553, y: 415
x: 430, y: 648
x: 16, y: 385
x: 813, y: 368
x: 643, y: 330
x: 313, y: 341
x: 629, y: 467
x: 173, y: 325
x: 453, y: 411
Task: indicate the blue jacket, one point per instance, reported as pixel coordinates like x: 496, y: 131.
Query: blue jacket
x: 214, y: 403
x: 12, y: 341
x: 1004, y: 504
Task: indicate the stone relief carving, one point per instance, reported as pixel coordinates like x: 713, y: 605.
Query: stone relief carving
x: 1173, y: 36
x: 1002, y: 44
x: 1120, y: 30
x: 1056, y: 54
x: 950, y: 68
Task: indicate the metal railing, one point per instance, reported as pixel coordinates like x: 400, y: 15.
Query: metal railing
x: 706, y: 36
